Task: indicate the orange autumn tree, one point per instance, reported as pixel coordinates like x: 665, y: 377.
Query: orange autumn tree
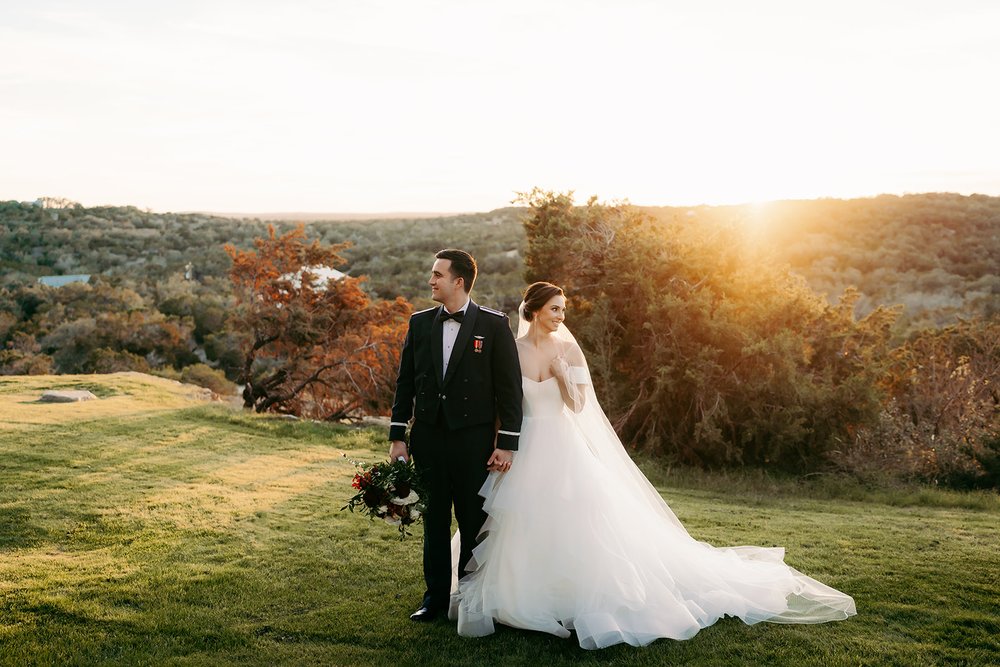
x: 313, y: 342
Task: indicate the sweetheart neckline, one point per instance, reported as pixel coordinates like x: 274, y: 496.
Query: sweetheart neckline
x: 551, y: 377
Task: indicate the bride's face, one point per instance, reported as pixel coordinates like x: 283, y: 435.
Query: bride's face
x: 552, y: 314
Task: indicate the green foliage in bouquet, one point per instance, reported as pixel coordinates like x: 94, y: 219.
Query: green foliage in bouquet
x: 390, y: 491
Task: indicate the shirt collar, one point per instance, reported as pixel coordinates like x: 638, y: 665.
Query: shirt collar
x: 468, y: 300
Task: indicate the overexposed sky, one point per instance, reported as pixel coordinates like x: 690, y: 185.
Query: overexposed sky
x: 453, y: 105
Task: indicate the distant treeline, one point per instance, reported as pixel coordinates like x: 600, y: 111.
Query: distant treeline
x: 141, y: 250
x: 936, y: 254
x: 805, y: 288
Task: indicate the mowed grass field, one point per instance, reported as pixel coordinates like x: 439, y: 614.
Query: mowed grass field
x: 149, y: 527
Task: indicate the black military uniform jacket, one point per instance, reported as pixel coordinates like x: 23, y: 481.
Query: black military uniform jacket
x: 483, y: 380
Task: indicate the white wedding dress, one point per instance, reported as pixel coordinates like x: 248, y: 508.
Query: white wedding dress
x: 577, y: 539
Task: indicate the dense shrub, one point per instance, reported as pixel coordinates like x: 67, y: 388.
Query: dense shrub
x: 703, y: 349
x: 941, y: 422
x: 201, y: 375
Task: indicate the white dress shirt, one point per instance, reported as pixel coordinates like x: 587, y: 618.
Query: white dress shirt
x: 449, y: 332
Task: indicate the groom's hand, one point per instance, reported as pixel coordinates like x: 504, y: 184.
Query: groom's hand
x: 500, y: 461
x: 397, y: 449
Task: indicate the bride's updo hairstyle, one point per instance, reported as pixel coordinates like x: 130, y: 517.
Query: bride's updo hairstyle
x: 536, y: 296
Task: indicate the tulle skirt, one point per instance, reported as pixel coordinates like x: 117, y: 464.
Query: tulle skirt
x: 568, y: 545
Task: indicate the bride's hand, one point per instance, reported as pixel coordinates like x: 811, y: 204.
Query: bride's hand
x: 559, y: 366
x: 500, y: 461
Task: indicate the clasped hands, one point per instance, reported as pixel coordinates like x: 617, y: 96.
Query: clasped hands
x: 500, y: 461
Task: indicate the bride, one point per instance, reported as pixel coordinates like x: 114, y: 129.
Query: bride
x: 578, y: 539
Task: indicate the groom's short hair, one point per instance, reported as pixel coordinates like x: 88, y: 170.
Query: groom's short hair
x: 462, y: 266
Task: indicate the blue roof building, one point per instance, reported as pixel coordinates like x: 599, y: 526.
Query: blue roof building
x: 59, y: 281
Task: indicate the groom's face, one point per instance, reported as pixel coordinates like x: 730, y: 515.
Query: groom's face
x: 444, y: 286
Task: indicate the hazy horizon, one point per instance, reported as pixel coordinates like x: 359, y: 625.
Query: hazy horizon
x: 310, y: 216
x: 579, y: 199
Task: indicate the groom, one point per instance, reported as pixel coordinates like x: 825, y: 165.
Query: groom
x: 460, y: 380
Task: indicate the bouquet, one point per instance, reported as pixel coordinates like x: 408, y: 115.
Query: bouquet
x: 389, y: 491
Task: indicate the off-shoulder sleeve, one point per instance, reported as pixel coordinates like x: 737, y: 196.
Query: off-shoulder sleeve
x: 579, y: 375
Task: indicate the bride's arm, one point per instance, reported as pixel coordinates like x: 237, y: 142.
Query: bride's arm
x: 565, y: 367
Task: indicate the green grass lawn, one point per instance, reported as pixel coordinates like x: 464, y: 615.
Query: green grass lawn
x: 196, y: 535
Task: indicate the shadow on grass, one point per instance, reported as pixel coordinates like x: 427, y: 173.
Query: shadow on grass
x: 18, y: 531
x: 64, y: 636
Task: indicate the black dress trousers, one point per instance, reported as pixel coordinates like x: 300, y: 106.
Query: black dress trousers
x: 452, y: 468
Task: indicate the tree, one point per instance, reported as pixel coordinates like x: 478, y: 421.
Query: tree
x: 704, y: 350
x: 22, y: 357
x: 942, y: 420
x: 313, y: 347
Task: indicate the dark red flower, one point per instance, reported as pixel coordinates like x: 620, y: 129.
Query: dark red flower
x: 373, y: 497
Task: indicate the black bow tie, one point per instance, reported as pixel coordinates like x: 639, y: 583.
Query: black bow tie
x: 458, y: 317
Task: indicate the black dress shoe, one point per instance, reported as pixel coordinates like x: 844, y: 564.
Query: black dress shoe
x: 423, y: 615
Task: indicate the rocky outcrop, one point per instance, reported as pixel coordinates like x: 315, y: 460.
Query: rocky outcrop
x: 66, y: 396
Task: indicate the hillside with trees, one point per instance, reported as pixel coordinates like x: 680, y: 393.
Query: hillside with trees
x: 854, y: 334
x: 938, y: 255
x: 140, y: 250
